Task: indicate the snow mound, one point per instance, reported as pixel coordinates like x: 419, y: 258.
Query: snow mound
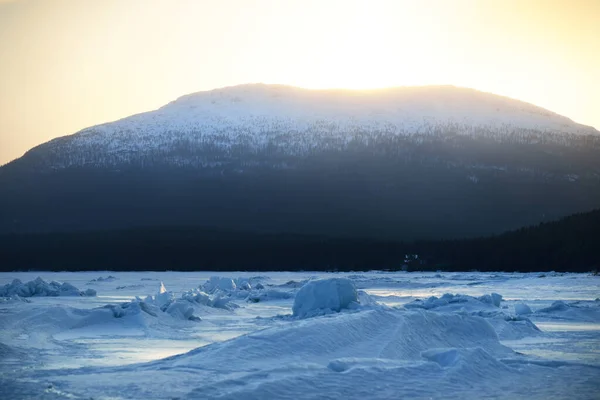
x: 44, y: 327
x: 134, y: 307
x: 510, y: 327
x: 375, y: 333
x: 164, y: 302
x: 522, y: 309
x: 588, y: 311
x: 507, y: 326
x: 182, y: 310
x: 218, y: 300
x: 261, y: 294
x: 216, y: 283
x: 293, y: 284
x: 444, y: 357
x: 322, y: 296
x: 247, y: 283
x: 221, y: 290
x: 367, y: 300
x: 109, y: 278
x: 493, y: 298
x: 183, y: 307
x: 475, y: 363
x: 39, y: 288
x: 557, y: 306
x: 456, y: 302
x: 162, y: 299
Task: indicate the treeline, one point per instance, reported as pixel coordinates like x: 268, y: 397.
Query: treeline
x: 570, y: 244
x: 189, y: 249
x: 448, y: 145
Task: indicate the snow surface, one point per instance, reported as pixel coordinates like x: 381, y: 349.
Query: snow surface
x: 263, y: 107
x: 399, y: 335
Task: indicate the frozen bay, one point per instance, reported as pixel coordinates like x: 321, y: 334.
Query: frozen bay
x: 413, y: 335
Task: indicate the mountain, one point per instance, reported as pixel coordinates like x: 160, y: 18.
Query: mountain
x: 401, y: 163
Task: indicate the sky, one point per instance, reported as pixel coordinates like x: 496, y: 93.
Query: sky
x: 69, y: 64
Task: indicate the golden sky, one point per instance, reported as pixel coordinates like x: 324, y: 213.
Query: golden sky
x: 69, y: 64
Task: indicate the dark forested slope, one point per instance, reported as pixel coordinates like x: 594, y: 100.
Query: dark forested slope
x: 570, y: 244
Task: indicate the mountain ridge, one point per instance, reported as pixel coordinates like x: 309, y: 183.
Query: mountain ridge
x: 254, y: 115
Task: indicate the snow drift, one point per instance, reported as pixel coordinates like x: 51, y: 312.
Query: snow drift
x: 342, y: 354
x: 398, y: 335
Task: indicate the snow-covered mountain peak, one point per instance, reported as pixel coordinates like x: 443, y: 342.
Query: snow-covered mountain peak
x: 299, y: 121
x: 404, y: 107
x: 257, y: 108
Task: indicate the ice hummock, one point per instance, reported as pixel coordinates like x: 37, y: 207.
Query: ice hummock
x: 183, y: 307
x: 109, y: 278
x: 450, y: 301
x: 522, y: 309
x: 217, y: 300
x: 223, y: 290
x: 39, y: 288
x: 506, y: 325
x: 322, y: 296
x: 588, y: 311
x: 218, y: 283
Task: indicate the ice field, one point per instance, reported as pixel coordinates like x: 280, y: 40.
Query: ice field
x: 278, y: 335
